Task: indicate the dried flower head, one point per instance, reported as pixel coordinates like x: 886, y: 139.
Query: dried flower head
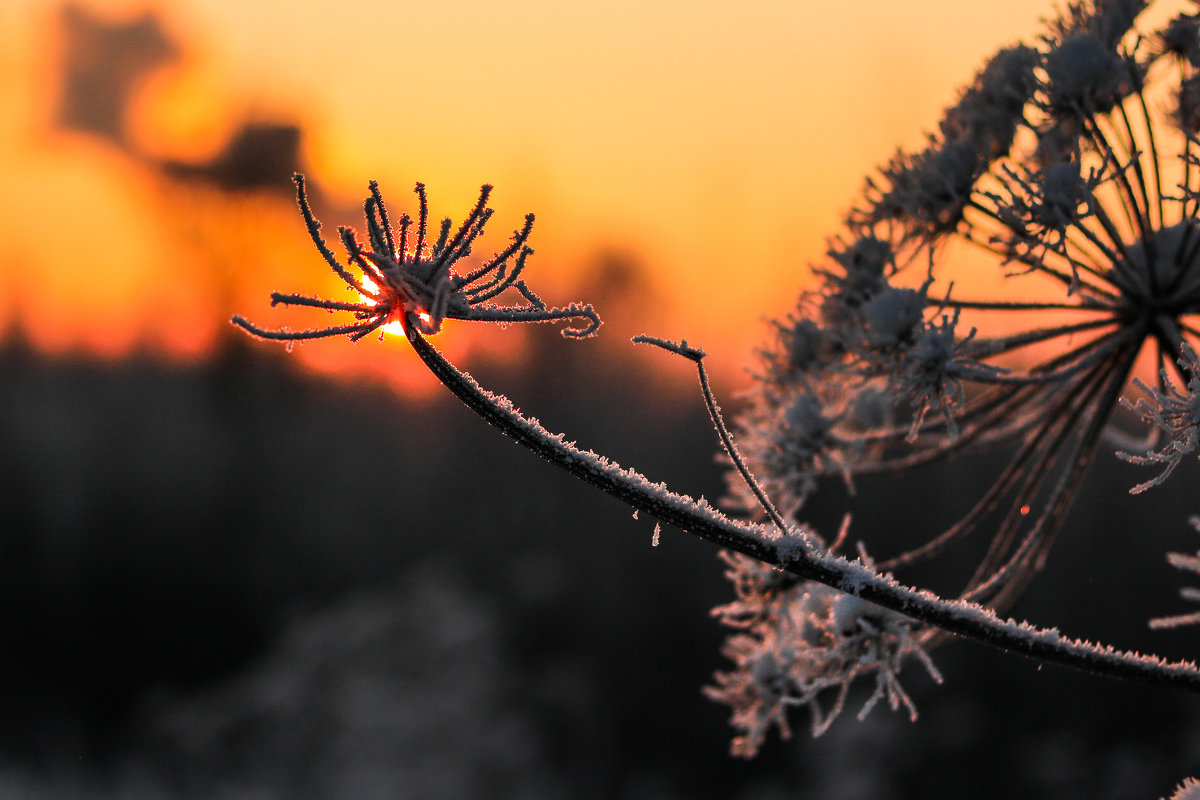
x: 1173, y: 412
x: 1071, y: 165
x: 1055, y: 165
x: 805, y: 644
x: 405, y: 277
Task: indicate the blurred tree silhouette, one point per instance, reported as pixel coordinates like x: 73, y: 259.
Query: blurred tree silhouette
x: 102, y: 66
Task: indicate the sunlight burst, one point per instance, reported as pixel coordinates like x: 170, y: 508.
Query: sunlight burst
x: 396, y: 326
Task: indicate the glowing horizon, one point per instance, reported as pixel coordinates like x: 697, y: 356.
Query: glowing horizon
x: 686, y: 139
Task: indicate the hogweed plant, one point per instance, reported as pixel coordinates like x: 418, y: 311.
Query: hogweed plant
x: 1070, y: 166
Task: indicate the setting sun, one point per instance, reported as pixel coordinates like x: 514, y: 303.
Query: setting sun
x: 396, y: 326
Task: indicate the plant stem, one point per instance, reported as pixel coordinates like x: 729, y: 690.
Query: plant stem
x: 804, y: 559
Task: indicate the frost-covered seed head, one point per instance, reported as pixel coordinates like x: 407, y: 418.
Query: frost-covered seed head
x: 1174, y: 411
x: 930, y: 189
x: 804, y: 645
x: 805, y: 343
x: 892, y: 315
x: 1084, y: 76
x: 991, y: 109
x: 1108, y: 20
x: 870, y: 410
x: 865, y: 262
x: 933, y: 353
x: 806, y: 422
x: 415, y: 282
x: 1063, y: 192
x: 1060, y: 171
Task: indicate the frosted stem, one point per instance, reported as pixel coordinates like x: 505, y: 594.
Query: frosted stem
x: 809, y: 562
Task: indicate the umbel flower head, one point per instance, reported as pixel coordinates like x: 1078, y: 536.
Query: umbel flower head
x: 1070, y: 165
x: 404, y: 276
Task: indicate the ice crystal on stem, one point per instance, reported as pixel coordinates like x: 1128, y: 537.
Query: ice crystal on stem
x: 1188, y: 790
x: 1187, y: 563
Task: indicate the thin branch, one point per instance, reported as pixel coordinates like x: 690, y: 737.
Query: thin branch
x: 714, y: 412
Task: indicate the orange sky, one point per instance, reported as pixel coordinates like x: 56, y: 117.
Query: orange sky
x: 718, y: 145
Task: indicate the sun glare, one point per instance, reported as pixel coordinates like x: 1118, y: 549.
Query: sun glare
x: 396, y: 326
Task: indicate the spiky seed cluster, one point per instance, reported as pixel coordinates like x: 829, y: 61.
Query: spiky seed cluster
x: 406, y: 277
x: 1174, y: 412
x: 805, y: 644
x: 1072, y: 165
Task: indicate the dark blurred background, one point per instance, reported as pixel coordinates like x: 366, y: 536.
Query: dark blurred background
x: 237, y: 580
x: 231, y: 576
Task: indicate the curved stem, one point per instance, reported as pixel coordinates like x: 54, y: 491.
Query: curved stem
x: 800, y: 555
x: 714, y: 413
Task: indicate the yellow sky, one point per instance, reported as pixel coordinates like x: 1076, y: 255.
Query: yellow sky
x: 719, y: 143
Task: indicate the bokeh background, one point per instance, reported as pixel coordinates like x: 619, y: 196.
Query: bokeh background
x: 230, y: 571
